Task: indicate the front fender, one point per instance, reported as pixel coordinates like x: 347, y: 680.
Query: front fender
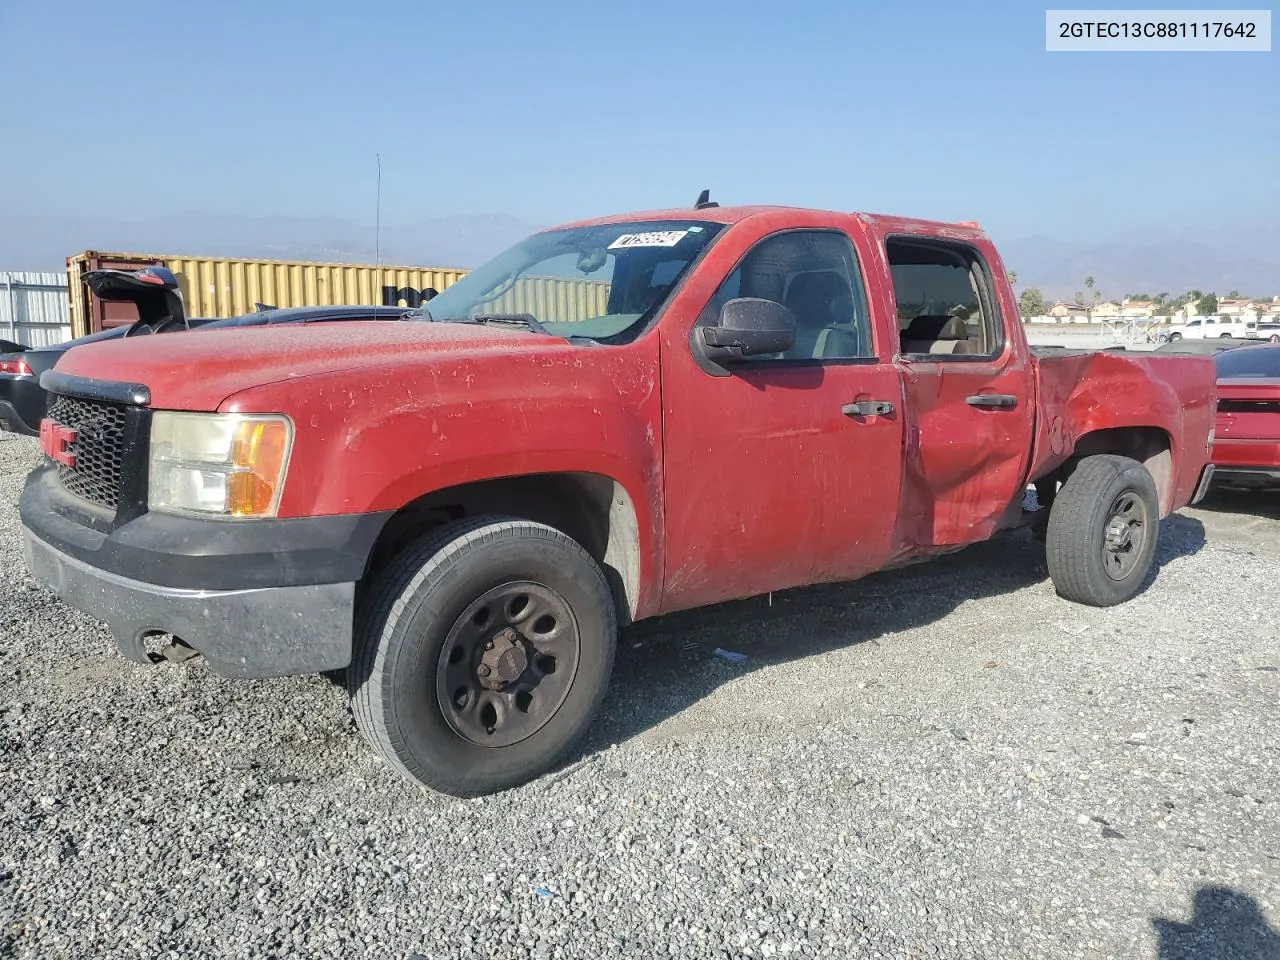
x: 381, y: 438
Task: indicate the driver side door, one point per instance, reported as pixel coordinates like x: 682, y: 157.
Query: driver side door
x: 772, y: 479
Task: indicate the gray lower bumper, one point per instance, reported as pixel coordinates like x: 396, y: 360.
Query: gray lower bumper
x: 263, y: 632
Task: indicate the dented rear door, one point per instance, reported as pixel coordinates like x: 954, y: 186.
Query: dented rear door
x: 969, y: 411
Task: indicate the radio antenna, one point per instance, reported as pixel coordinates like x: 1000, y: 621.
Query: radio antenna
x: 377, y: 218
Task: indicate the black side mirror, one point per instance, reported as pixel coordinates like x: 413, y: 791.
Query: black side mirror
x: 749, y: 327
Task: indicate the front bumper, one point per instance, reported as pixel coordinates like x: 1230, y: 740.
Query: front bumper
x: 258, y: 632
x: 11, y: 421
x: 258, y: 598
x: 23, y: 403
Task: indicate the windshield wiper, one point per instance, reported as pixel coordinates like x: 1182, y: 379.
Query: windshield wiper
x: 527, y: 320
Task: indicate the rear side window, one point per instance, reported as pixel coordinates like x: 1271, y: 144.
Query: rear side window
x: 1252, y: 362
x: 945, y: 299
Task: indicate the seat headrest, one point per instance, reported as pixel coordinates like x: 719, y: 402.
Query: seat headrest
x: 817, y: 289
x: 928, y: 327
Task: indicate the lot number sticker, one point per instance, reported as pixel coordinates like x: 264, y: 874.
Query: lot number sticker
x: 658, y: 238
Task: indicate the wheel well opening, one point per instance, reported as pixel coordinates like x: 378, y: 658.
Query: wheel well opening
x: 594, y: 510
x: 1150, y: 446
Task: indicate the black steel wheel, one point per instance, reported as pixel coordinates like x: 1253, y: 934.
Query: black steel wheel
x: 508, y: 663
x: 482, y: 654
x: 1125, y: 539
x: 1103, y: 529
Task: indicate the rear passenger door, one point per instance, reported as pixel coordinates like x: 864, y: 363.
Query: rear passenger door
x: 969, y: 392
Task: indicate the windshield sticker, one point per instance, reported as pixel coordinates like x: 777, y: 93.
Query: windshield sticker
x: 658, y: 238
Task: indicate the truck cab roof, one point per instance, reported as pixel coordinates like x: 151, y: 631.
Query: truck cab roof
x: 735, y: 214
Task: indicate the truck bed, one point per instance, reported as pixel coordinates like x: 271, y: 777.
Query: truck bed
x: 1169, y: 397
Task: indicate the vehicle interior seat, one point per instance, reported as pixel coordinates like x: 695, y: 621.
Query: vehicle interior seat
x: 822, y: 303
x: 937, y: 334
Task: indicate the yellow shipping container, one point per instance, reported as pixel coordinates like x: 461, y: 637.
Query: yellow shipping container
x: 225, y: 287
x: 554, y: 298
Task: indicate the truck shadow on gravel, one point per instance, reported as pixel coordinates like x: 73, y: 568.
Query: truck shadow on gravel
x: 1225, y: 925
x: 666, y: 664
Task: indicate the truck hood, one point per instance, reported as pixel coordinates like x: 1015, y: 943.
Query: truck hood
x: 201, y: 369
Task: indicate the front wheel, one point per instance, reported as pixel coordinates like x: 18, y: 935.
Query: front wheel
x: 482, y: 654
x: 1102, y: 531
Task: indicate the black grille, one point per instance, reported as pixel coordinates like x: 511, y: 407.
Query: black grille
x: 98, y: 448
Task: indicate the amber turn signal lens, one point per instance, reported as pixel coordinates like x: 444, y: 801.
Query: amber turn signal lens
x: 258, y: 453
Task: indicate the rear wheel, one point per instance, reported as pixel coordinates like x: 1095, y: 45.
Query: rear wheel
x: 482, y: 654
x: 1274, y: 338
x: 1175, y: 337
x: 1224, y: 336
x: 1102, y: 531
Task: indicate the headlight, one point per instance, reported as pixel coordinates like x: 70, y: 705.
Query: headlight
x: 228, y: 464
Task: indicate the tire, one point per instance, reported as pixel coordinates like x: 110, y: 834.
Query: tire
x: 1086, y: 564
x: 1175, y: 337
x: 432, y: 713
x: 1274, y: 338
x: 1224, y: 336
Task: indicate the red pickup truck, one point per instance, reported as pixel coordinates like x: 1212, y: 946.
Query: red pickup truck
x: 614, y: 419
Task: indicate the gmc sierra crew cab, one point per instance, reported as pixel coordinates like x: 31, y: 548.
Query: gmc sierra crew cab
x: 613, y: 419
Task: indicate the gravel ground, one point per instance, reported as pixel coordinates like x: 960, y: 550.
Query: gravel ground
x: 943, y: 761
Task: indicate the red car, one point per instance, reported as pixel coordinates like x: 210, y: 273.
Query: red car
x: 614, y: 419
x: 1246, y: 445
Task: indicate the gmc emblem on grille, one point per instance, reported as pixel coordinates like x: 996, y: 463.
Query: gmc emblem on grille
x: 54, y: 441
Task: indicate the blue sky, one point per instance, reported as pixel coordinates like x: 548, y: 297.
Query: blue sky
x: 554, y: 110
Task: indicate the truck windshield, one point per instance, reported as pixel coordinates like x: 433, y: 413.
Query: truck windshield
x: 602, y: 282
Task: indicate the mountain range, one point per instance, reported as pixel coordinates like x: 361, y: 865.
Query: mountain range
x: 1150, y: 261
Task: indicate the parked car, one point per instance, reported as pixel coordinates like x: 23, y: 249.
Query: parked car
x: 23, y: 402
x: 1269, y: 330
x: 1202, y: 348
x: 1246, y: 445
x: 1201, y: 328
x: 459, y: 513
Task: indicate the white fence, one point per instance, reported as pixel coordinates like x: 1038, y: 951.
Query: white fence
x: 34, y: 309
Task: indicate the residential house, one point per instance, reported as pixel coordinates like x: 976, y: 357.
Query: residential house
x: 1068, y: 311
x: 1239, y: 309
x: 1107, y: 310
x: 1137, y: 309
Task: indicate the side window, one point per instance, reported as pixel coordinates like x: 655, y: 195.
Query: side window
x: 814, y: 273
x: 946, y: 305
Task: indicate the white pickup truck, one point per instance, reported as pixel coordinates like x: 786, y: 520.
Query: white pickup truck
x: 1205, y: 328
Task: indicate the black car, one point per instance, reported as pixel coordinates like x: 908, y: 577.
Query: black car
x: 155, y: 290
